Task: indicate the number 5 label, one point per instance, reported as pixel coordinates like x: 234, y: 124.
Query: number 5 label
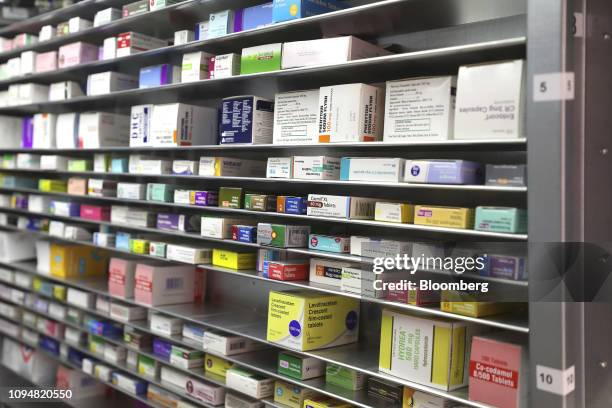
x: 560, y: 382
x: 557, y: 86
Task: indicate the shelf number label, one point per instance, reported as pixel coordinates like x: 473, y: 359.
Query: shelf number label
x: 557, y: 86
x: 560, y: 382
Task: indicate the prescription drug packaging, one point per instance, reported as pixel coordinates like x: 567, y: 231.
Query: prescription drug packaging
x: 465, y: 304
x: 324, y: 51
x: 220, y: 23
x: 147, y: 367
x: 101, y: 188
x: 287, y: 270
x: 233, y: 259
x: 299, y: 367
x: 504, y: 267
x: 261, y: 58
x: 440, y: 346
x: 27, y: 61
x: 60, y: 91
x: 216, y: 365
x: 185, y: 167
x: 283, y: 236
x: 385, y: 391
x: 326, y: 271
x: 499, y: 371
x: 129, y: 384
x: 231, y: 167
x: 501, y: 219
x: 183, y: 37
x: 109, y: 48
x: 305, y: 321
x: 193, y: 332
x: 372, y: 169
x: 316, y: 168
x: 296, y: 117
x: 350, y: 113
x: 107, y: 82
x: 195, y: 66
x: 231, y: 197
x: 443, y: 172
x: 291, y: 395
x: 71, y: 261
x: 291, y: 205
x: 244, y: 233
x: 259, y: 202
x: 80, y: 298
x: 420, y: 109
x: 253, y: 17
x: 103, y: 129
x: 490, y: 101
x: 165, y: 285
x: 131, y: 43
x: 76, y: 24
x: 140, y: 125
x: 246, y: 119
x: 224, y: 66
x: 45, y: 61
x: 188, y: 254
x: 201, y: 30
x: 218, y: 227
x: 249, y: 383
x: 279, y: 167
x: 173, y: 377
x: 394, y: 212
x: 241, y: 401
x: 448, y: 217
x: 76, y: 53
x: 341, y: 207
x: 160, y: 4
x: 178, y: 222
x: 157, y: 249
x: 29, y: 93
x: 165, y: 325
x: 127, y: 313
x: 131, y: 191
x: 179, y: 124
x: 106, y: 15
x: 283, y: 10
x: 511, y: 175
x: 160, y: 192
x: 324, y: 402
x: 46, y: 33
x: 138, y: 7
x: 80, y: 165
x: 344, y: 377
x: 205, y: 392
x: 329, y: 243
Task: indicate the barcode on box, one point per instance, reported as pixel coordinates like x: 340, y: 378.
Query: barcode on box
x: 174, y: 283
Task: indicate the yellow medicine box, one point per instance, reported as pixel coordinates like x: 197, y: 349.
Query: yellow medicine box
x: 449, y: 217
x: 216, y: 365
x: 72, y: 261
x: 291, y: 395
x: 324, y: 402
x: 54, y: 186
x: 468, y: 305
x: 233, y: 259
x: 304, y: 320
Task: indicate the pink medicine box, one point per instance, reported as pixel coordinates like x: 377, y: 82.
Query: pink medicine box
x: 76, y: 53
x: 121, y: 274
x: 46, y: 61
x: 157, y: 285
x: 95, y: 212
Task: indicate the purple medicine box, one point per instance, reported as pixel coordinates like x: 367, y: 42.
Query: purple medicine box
x: 443, y: 172
x: 505, y: 267
x: 162, y: 349
x: 27, y: 132
x: 205, y: 198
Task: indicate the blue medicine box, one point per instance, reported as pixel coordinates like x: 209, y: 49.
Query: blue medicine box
x: 284, y: 10
x: 156, y: 75
x: 253, y: 17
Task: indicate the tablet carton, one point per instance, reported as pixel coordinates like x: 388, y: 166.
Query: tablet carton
x: 350, y: 113
x: 71, y: 261
x: 195, y: 66
x: 27, y: 61
x: 67, y: 130
x: 287, y: 270
x: 179, y: 124
x: 205, y: 392
x: 442, y: 356
x: 46, y: 61
x: 447, y: 217
x: 106, y: 15
x: 291, y: 205
x: 218, y: 227
x: 231, y: 167
x: 501, y: 219
x: 76, y: 24
x: 106, y: 82
x: 103, y: 129
x: 512, y: 175
x: 233, y: 259
x: 140, y: 125
x: 359, y: 208
x: 44, y: 131
x: 246, y: 119
x: 253, y: 17
x: 220, y: 23
x: 443, y: 172
x: 216, y: 365
x: 183, y: 37
x: 308, y: 321
x: 299, y: 367
x: 61, y: 91
x: 231, y: 197
x: 344, y: 377
x: 227, y: 344
x: 224, y: 66
x: 394, y: 212
x: 296, y: 117
x: 76, y: 53
x: 121, y: 274
x: 249, y: 383
x: 262, y: 58
x: 130, y: 42
x: 158, y: 75
x: 329, y: 243
x: 283, y: 236
x: 327, y: 272
x: 201, y: 30
x: 372, y: 169
x: 187, y: 254
x: 490, y: 101
x: 158, y: 286
x: 420, y: 109
x: 46, y: 33
x: 284, y: 10
x: 138, y: 7
x: 316, y: 168
x: 326, y: 51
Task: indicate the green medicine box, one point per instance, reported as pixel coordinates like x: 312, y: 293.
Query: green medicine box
x: 344, y: 377
x: 230, y: 197
x: 262, y: 58
x: 80, y: 165
x: 259, y: 202
x: 157, y: 248
x: 501, y: 219
x: 148, y: 367
x: 300, y: 367
x: 163, y: 193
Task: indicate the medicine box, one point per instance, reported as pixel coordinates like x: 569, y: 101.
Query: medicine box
x: 203, y: 198
x: 231, y: 167
x: 160, y: 4
x: 195, y: 66
x: 350, y: 113
x: 220, y: 23
x: 253, y: 17
x: 107, y: 82
x: 185, y: 358
x: 165, y: 325
x: 291, y: 205
x: 501, y: 219
x: 227, y: 344
x: 447, y: 217
x: 101, y: 188
x: 240, y: 401
x: 233, y: 259
x: 259, y: 202
x: 287, y: 270
x: 284, y: 10
x: 53, y: 162
x: 131, y: 191
x: 95, y: 212
x: 249, y: 383
x: 279, y: 167
x: 138, y: 7
x: 105, y: 16
x: 179, y: 124
x: 329, y: 243
x: 188, y: 254
x: 324, y: 51
x: 385, y: 391
x: 102, y: 129
x: 216, y: 365
x: 394, y: 212
x: 72, y: 261
x: 231, y: 197
x: 160, y: 192
x: 205, y: 392
x: 201, y: 30
x: 132, y: 385
x: 499, y: 371
x: 140, y: 125
x: 45, y: 61
x: 127, y: 313
x: 158, y: 75
x: 466, y: 304
x: 420, y: 109
x: 193, y: 332
x: 76, y: 24
x: 244, y: 233
x: 148, y: 367
x: 490, y: 101
x: 309, y: 321
x: 158, y: 285
x: 46, y: 33
x: 76, y: 53
x: 178, y: 222
x: 80, y: 165
x: 504, y: 267
x: 218, y: 227
x: 60, y: 91
x: 511, y: 175
x: 66, y: 130
x: 327, y: 272
x: 296, y: 117
x: 344, y: 377
x: 341, y: 207
x: 283, y: 236
x: 183, y: 37
x: 442, y: 356
x: 185, y: 167
x: 443, y: 172
x: 291, y: 395
x: 157, y: 249
x: 300, y: 367
x: 316, y: 168
x: 162, y: 348
x: 372, y: 169
x: 80, y: 298
x: 224, y: 66
x: 324, y: 402
x: 246, y: 119
x: 109, y: 48
x: 262, y: 58
x: 130, y: 42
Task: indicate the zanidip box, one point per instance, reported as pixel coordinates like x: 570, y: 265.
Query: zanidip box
x: 420, y: 109
x: 246, y: 119
x: 359, y: 208
x: 371, y: 169
x: 157, y: 285
x: 131, y: 43
x: 279, y: 167
x: 316, y: 168
x: 283, y: 236
x: 261, y: 58
x: 350, y: 113
x: 490, y: 101
x: 305, y: 321
x: 443, y: 172
x: 158, y: 75
x: 195, y: 66
x: 428, y: 351
x: 325, y: 51
x: 296, y: 117
x: 499, y: 371
x: 300, y: 367
x: 232, y: 167
x: 327, y: 272
x: 179, y: 124
x: 501, y: 219
x: 448, y: 217
x: 394, y: 212
x: 249, y: 383
x: 329, y: 243
x: 224, y: 66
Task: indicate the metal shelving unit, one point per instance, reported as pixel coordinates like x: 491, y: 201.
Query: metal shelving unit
x: 566, y: 151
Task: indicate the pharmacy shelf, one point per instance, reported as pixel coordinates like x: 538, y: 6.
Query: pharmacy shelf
x: 268, y: 181
x: 241, y: 322
x: 377, y: 69
x: 497, y: 144
x: 367, y: 223
x: 380, y: 18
